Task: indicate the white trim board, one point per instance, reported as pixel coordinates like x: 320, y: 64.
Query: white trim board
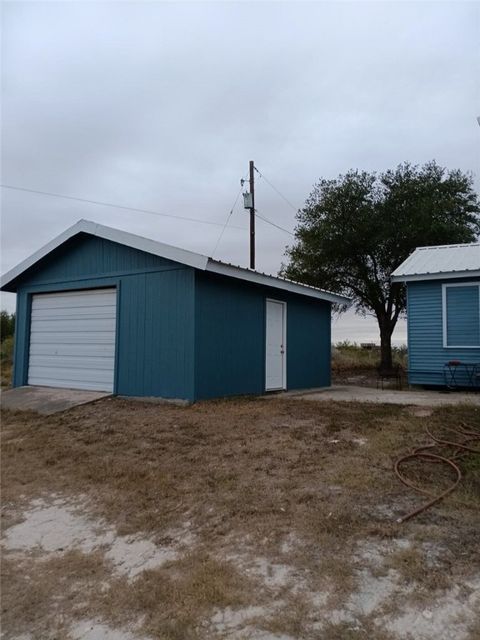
x: 446, y: 286
x: 182, y: 256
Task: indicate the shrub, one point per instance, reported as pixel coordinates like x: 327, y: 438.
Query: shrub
x: 348, y: 356
x: 7, y: 324
x: 6, y: 350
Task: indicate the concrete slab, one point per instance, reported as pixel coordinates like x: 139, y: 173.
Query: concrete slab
x: 350, y: 393
x: 47, y: 400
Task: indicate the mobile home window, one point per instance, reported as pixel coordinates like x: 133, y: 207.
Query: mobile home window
x: 461, y: 315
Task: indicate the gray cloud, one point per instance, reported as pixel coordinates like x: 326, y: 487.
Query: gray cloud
x: 161, y: 105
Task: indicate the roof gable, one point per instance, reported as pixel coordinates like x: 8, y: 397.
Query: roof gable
x: 86, y: 256
x: 188, y: 258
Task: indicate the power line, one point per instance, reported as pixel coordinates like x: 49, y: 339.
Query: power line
x: 296, y: 209
x: 228, y: 218
x: 273, y: 223
x: 116, y: 206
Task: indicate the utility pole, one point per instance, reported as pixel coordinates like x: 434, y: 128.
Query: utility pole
x: 252, y: 215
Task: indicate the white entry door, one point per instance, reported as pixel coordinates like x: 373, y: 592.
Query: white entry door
x: 276, y: 346
x: 72, y: 339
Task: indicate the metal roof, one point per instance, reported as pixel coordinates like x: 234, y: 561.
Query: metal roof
x: 189, y: 258
x: 442, y: 261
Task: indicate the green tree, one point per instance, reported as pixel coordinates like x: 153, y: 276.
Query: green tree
x: 356, y: 229
x: 7, y: 324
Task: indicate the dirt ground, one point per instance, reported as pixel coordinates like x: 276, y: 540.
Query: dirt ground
x: 241, y: 519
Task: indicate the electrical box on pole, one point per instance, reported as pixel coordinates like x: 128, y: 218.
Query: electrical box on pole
x: 247, y: 200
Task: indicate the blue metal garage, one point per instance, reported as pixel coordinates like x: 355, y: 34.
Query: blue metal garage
x: 99, y: 308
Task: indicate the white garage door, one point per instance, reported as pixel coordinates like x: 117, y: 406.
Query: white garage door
x: 72, y: 339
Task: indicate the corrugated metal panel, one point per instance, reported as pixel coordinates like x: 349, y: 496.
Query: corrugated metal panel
x: 426, y: 354
x: 451, y: 259
x: 72, y: 339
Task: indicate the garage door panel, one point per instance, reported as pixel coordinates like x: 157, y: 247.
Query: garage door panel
x: 88, y: 385
x: 71, y: 374
x: 74, y: 299
x: 49, y: 313
x: 77, y: 338
x: 86, y: 350
x: 81, y: 362
x: 72, y: 340
x: 73, y: 325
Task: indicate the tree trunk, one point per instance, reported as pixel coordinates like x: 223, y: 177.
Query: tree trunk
x: 385, y: 347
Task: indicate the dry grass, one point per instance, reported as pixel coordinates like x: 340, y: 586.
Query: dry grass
x: 364, y: 629
x: 172, y: 601
x: 350, y: 357
x: 292, y: 618
x: 167, y: 603
x: 44, y: 599
x: 5, y: 374
x: 245, y: 474
x: 417, y: 570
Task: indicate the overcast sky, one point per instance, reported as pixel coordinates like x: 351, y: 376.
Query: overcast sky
x: 161, y: 106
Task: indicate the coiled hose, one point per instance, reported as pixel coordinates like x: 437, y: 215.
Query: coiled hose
x: 458, y: 449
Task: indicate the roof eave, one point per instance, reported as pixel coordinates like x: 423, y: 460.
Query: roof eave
x: 445, y: 275
x: 221, y: 268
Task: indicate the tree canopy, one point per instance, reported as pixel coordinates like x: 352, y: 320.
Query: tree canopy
x: 354, y: 231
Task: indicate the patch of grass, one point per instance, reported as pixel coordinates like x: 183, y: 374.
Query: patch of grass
x: 174, y: 601
x: 292, y: 619
x: 411, y: 563
x: 6, y: 361
x: 363, y: 629
x: 5, y: 375
x: 44, y: 596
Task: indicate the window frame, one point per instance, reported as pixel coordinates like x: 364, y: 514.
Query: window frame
x: 445, y: 286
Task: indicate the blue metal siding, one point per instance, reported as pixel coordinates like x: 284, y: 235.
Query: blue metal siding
x: 426, y: 353
x: 156, y: 335
x: 87, y: 257
x: 230, y: 338
x: 155, y: 316
x: 308, y: 344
